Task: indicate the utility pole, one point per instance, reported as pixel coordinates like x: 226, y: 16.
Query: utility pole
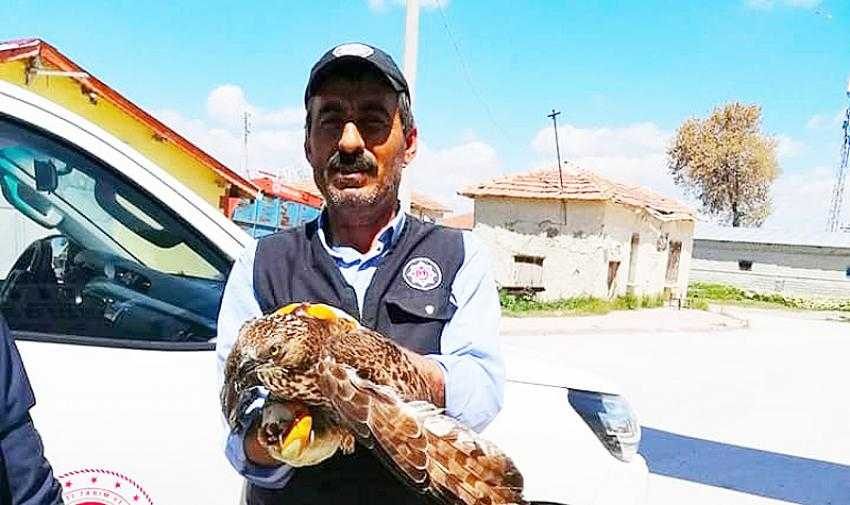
x: 411, y: 49
x: 554, y: 115
x: 411, y: 46
x: 837, y: 203
x: 246, y: 129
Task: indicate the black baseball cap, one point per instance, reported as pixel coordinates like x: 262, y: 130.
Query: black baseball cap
x: 355, y: 51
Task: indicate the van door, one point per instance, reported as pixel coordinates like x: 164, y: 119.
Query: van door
x: 113, y: 298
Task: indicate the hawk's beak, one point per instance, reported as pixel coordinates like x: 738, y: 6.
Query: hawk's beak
x: 298, y: 438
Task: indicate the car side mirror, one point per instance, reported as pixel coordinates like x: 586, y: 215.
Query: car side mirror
x: 46, y: 176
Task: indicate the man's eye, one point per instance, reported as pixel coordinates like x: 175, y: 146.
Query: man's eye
x: 330, y: 122
x: 374, y: 122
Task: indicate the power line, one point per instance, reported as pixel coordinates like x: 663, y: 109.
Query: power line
x: 468, y: 74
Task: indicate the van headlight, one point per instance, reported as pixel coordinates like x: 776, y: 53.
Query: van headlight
x: 611, y: 419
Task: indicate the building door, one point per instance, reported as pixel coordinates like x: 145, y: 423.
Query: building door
x: 673, y: 263
x: 613, y: 267
x: 633, y: 262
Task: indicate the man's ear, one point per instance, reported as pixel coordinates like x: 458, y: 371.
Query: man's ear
x: 307, y: 151
x: 411, y: 143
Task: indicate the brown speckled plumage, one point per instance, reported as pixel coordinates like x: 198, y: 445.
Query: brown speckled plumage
x: 355, y: 381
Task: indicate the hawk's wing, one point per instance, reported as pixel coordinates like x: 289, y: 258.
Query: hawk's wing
x: 430, y: 451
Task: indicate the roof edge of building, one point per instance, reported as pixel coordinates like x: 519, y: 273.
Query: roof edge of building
x: 35, y: 47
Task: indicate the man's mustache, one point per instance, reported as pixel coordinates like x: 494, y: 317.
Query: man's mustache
x: 363, y: 162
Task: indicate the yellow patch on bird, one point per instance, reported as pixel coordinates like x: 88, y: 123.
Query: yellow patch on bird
x: 287, y: 309
x: 322, y: 311
x: 316, y: 310
x: 298, y: 437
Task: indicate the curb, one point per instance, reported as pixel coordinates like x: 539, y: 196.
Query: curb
x: 720, y: 310
x: 729, y: 322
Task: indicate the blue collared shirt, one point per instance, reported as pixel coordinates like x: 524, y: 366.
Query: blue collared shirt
x: 470, y: 358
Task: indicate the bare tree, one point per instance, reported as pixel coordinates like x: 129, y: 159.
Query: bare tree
x: 727, y: 163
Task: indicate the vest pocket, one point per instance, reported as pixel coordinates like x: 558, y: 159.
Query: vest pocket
x: 431, y: 305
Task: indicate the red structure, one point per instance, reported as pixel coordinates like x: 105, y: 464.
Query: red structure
x: 278, y: 189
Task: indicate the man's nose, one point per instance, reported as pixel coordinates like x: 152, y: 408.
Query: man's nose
x: 351, y: 142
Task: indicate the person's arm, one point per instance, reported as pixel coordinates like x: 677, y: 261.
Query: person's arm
x: 242, y: 447
x: 471, y: 359
x: 24, y: 471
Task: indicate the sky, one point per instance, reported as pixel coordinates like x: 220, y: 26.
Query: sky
x: 623, y: 74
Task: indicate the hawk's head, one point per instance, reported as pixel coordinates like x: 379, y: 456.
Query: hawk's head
x: 292, y: 338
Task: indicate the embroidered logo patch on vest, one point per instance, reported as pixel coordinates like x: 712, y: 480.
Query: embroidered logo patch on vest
x: 422, y: 273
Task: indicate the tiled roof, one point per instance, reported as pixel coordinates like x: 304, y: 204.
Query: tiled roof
x: 580, y: 185
x: 416, y: 199
x: 423, y: 202
x: 459, y: 221
x: 51, y: 57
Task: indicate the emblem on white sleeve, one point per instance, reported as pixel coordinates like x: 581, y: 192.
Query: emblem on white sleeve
x: 422, y: 273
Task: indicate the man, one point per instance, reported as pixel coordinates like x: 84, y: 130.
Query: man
x: 427, y: 287
x: 25, y: 476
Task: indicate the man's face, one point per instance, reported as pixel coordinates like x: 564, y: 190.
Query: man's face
x: 356, y: 143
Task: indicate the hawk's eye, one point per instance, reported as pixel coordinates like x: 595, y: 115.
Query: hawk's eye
x: 276, y: 349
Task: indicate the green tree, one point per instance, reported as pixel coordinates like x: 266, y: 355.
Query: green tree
x: 727, y: 163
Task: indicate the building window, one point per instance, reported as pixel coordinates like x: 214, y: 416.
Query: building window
x: 532, y: 260
x: 528, y: 271
x: 745, y: 265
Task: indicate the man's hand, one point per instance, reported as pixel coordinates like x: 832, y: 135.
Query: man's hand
x: 433, y: 373
x: 256, y: 445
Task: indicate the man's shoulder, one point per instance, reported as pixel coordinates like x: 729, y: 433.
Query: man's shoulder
x: 428, y: 227
x: 300, y: 233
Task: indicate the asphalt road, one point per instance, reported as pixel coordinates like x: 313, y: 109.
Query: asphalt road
x: 738, y: 416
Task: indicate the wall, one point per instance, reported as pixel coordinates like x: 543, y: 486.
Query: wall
x: 577, y: 240
x: 66, y: 92
x: 793, y: 270
x: 650, y: 277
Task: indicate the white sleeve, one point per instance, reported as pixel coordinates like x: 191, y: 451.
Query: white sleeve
x: 238, y: 305
x: 470, y: 345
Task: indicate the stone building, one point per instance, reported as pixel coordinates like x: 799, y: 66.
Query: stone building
x: 815, y: 264
x: 584, y: 236
x: 426, y: 208
x: 464, y: 221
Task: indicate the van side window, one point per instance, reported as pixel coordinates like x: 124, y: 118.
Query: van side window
x: 90, y: 255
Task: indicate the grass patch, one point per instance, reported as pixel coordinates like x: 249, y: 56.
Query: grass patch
x: 525, y: 305
x: 701, y: 293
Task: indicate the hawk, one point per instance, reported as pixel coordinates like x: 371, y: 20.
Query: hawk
x: 334, y: 383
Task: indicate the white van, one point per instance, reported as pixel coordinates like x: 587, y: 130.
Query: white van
x: 111, y: 274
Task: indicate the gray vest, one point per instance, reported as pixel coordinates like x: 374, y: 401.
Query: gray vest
x: 408, y: 301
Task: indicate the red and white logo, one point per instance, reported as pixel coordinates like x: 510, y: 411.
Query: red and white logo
x: 422, y: 273
x: 95, y: 486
